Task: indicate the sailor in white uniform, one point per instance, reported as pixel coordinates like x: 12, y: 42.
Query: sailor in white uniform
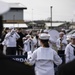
x: 36, y: 40
x: 11, y: 38
x: 70, y: 50
x: 61, y: 42
x: 28, y: 45
x: 68, y: 38
x: 64, y: 31
x: 51, y: 40
x: 44, y: 57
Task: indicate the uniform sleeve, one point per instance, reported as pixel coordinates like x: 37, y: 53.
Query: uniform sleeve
x: 32, y: 59
x: 7, y: 35
x: 67, y: 54
x: 57, y: 44
x: 64, y: 42
x: 4, y: 42
x: 35, y: 41
x: 17, y: 35
x: 57, y: 59
x: 26, y: 41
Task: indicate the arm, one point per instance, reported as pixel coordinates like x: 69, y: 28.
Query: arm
x: 57, y: 59
x: 67, y: 54
x: 32, y: 59
x: 17, y: 35
x: 9, y: 34
x: 64, y: 42
x: 58, y: 44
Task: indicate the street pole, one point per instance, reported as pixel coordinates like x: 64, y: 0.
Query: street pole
x: 32, y: 15
x: 51, y: 15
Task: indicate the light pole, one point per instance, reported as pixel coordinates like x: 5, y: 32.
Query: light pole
x: 51, y: 15
x: 32, y: 15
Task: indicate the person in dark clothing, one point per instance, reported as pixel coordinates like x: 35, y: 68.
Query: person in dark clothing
x: 4, y: 32
x: 67, y: 69
x: 20, y: 42
x: 8, y: 66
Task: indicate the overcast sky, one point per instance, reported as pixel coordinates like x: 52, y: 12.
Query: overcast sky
x: 40, y: 9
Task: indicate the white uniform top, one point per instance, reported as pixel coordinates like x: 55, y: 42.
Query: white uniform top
x: 27, y: 45
x: 11, y: 39
x: 64, y: 42
x: 69, y: 53
x: 52, y: 42
x: 36, y: 41
x: 44, y: 59
x: 4, y: 42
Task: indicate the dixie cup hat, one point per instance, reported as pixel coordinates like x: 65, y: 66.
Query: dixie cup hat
x: 44, y: 36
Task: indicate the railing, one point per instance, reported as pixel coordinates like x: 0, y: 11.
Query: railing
x: 20, y: 58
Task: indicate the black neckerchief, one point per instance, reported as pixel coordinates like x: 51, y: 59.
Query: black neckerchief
x: 73, y: 48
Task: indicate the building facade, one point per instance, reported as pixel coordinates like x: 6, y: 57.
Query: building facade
x: 15, y: 14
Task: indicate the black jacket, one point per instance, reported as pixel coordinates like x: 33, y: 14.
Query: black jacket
x: 67, y: 69
x: 12, y: 67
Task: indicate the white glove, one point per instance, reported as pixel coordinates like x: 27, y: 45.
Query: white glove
x: 12, y: 31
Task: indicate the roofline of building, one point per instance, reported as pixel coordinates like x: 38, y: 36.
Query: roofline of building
x: 17, y: 8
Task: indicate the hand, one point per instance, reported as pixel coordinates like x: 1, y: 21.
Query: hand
x: 12, y: 30
x: 26, y: 63
x: 30, y: 38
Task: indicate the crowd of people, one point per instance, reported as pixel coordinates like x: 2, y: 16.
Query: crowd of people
x: 18, y: 42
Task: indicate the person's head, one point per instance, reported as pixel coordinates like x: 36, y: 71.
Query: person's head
x: 28, y: 36
x: 63, y: 30
x: 7, y: 30
x: 37, y: 34
x: 73, y: 39
x: 61, y: 34
x: 44, y: 39
x: 11, y: 27
x: 68, y: 38
x: 19, y: 30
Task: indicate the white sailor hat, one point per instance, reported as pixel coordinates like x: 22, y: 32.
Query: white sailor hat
x: 44, y: 36
x: 73, y: 36
x: 46, y: 31
x: 28, y: 35
x: 11, y: 27
x: 4, y: 7
x: 68, y: 37
x: 61, y: 33
x: 63, y: 29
